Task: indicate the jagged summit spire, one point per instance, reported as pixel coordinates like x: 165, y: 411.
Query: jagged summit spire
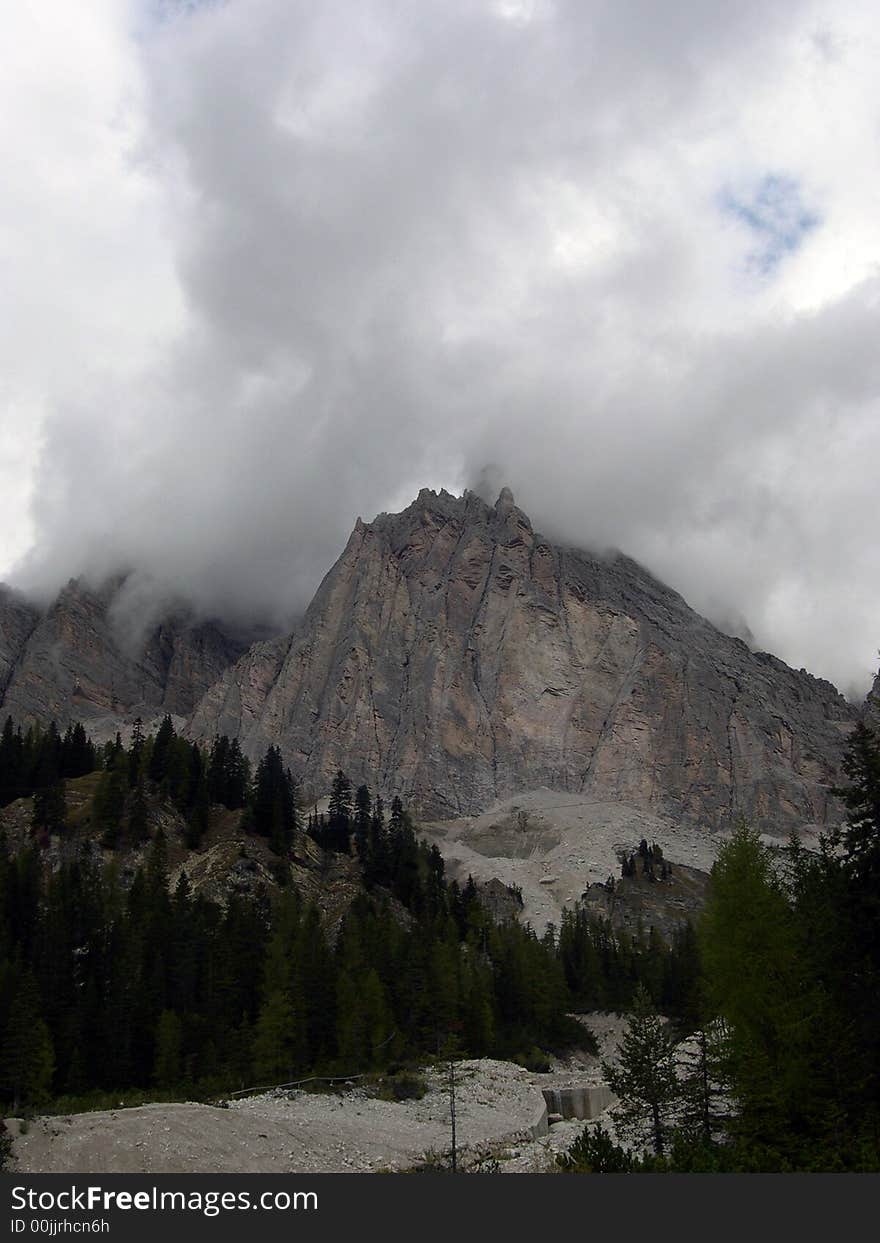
x: 505, y: 499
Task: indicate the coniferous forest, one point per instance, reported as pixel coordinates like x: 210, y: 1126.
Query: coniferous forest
x: 117, y: 981
x: 114, y: 980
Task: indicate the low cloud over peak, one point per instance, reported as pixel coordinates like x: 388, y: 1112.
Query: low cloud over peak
x: 319, y: 256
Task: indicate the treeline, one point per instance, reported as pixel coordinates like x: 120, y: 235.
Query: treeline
x: 653, y: 864
x: 112, y: 983
x: 791, y: 962
x: 104, y: 985
x: 109, y: 982
x: 167, y: 767
x: 785, y: 1072
x: 37, y: 759
x: 604, y: 968
x: 162, y: 766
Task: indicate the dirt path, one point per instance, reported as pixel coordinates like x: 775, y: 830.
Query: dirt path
x: 499, y: 1109
x: 280, y: 1133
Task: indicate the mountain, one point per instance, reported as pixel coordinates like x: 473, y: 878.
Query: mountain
x: 872, y: 704
x: 80, y: 659
x: 465, y: 658
x: 18, y: 619
x: 457, y: 657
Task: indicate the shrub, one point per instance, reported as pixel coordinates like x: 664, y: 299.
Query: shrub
x: 404, y: 1086
x: 595, y: 1152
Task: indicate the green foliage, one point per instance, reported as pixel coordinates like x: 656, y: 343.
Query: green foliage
x: 138, y: 814
x: 334, y: 831
x: 277, y: 1040
x: 535, y: 1060
x: 50, y: 808
x: 136, y: 753
x: 405, y: 1085
x: 26, y: 1053
x: 274, y: 805
x: 161, y: 750
x: 604, y: 968
x: 108, y: 808
x: 644, y: 1075
x: 228, y: 774
x: 111, y: 984
x: 594, y: 1152
x: 705, y: 1071
x: 860, y: 838
x: 38, y: 761
x: 169, y: 1039
x: 759, y: 981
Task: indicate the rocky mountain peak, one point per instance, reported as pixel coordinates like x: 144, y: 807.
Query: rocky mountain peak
x: 97, y: 656
x: 458, y: 657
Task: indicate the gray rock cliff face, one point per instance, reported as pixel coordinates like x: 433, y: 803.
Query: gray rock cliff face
x: 872, y: 704
x: 457, y: 657
x: 17, y: 621
x: 73, y: 662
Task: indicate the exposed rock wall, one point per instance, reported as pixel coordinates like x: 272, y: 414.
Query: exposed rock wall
x: 74, y: 662
x: 17, y: 622
x: 872, y: 704
x: 460, y: 657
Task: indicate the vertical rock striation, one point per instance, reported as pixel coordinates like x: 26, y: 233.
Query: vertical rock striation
x: 75, y: 661
x: 460, y: 657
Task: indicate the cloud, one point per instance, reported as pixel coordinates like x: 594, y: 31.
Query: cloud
x: 318, y: 256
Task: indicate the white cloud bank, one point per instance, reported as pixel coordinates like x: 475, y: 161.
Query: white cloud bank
x: 270, y: 265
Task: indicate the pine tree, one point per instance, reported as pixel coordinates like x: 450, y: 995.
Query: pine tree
x: 274, y: 807
x: 168, y: 1063
x: 362, y: 819
x: 138, y: 815
x: 135, y: 753
x: 860, y: 838
x: 706, y: 1082
x: 644, y: 1075
x: 161, y: 748
x: 758, y: 981
x: 27, y: 1060
x: 238, y: 777
x: 108, y: 806
x: 339, y: 813
x: 276, y: 1040
x: 199, y: 815
x: 50, y: 806
x: 11, y: 757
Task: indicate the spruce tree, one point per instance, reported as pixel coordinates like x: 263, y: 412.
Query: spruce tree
x: 167, y: 1070
x: 362, y: 820
x: 644, y: 1075
x: 859, y: 839
x: 161, y: 749
x: 759, y: 982
x: 339, y: 813
x: 27, y: 1060
x: 274, y: 809
x: 135, y: 753
x: 276, y: 1040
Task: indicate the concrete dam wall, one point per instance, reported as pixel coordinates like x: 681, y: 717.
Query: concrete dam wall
x: 580, y: 1103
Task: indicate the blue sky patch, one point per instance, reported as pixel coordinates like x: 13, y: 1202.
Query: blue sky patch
x: 162, y: 11
x: 777, y: 217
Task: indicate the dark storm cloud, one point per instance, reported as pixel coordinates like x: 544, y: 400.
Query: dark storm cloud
x: 437, y: 243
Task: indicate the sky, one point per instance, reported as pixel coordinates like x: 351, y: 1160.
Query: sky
x: 271, y: 265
